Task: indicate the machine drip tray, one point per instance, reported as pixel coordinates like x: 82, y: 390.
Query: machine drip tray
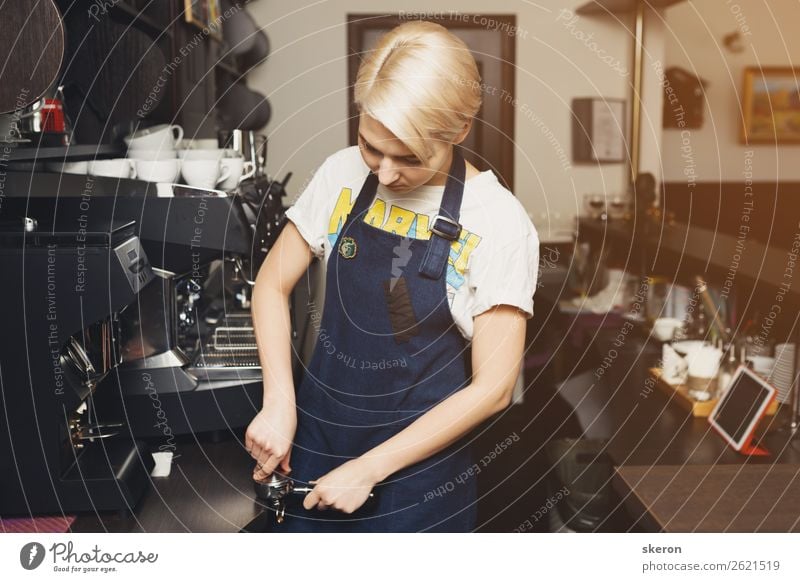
x: 230, y: 353
x: 226, y: 365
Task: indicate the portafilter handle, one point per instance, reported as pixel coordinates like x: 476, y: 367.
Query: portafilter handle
x: 292, y: 488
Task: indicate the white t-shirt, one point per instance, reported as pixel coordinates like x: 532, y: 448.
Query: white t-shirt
x: 494, y: 262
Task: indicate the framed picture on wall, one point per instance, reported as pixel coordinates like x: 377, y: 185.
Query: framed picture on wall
x: 771, y: 105
x: 204, y: 14
x: 598, y: 131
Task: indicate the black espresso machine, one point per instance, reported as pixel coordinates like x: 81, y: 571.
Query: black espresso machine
x: 189, y: 361
x: 66, y: 284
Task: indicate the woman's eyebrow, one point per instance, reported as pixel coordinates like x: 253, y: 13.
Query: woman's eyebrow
x: 366, y: 142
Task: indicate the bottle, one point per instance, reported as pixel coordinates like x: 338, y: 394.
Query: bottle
x: 700, y: 326
x: 727, y: 370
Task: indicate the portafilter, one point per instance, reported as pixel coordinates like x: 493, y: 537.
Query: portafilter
x: 274, y: 489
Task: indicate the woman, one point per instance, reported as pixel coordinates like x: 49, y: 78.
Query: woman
x: 431, y: 258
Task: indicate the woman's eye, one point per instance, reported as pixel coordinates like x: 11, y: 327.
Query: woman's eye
x: 370, y: 149
x: 405, y: 161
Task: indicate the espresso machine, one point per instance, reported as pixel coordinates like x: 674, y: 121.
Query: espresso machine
x: 67, y: 285
x: 193, y: 332
x: 189, y: 333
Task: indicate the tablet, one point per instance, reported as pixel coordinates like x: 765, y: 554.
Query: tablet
x: 737, y: 413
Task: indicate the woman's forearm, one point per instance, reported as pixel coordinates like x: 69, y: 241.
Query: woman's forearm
x: 441, y: 426
x: 271, y: 321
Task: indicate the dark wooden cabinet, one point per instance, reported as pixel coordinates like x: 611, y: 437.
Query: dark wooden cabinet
x: 180, y: 86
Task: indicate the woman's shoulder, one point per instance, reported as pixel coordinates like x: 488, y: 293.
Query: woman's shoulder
x: 493, y: 208
x: 485, y: 187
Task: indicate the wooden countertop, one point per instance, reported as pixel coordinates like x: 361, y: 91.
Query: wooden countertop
x: 672, y: 471
x: 640, y: 424
x: 713, y: 498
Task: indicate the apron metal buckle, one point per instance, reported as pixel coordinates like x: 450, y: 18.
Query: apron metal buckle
x: 451, y: 225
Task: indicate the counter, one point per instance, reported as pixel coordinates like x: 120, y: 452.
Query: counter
x: 208, y: 490
x: 664, y: 458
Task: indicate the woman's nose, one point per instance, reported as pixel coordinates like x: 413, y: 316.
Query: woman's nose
x: 387, y: 172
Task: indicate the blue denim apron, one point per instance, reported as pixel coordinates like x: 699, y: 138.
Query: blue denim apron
x: 388, y: 351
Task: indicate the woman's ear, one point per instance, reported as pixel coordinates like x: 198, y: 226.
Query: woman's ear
x: 464, y: 132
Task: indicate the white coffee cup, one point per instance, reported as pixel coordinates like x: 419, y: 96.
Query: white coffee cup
x: 702, y: 388
x: 704, y: 361
x: 116, y: 168
x: 199, y: 144
x: 209, y: 154
x: 158, y: 137
x: 240, y: 170
x: 763, y: 365
x: 152, y: 155
x: 674, y: 367
x: 664, y: 328
x: 68, y: 167
x: 163, y: 466
x: 204, y: 173
x: 158, y: 170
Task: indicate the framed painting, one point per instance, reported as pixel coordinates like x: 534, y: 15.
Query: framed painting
x: 204, y: 14
x: 771, y: 105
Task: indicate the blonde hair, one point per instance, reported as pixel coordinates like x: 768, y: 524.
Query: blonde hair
x: 422, y: 83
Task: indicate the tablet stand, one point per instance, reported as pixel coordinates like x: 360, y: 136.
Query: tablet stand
x: 754, y: 451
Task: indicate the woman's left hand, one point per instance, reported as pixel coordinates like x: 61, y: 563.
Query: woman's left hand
x: 345, y: 489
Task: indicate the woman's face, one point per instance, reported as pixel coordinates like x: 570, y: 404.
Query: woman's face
x: 396, y: 167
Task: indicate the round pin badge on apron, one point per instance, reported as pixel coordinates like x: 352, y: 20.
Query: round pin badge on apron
x: 392, y: 351
x: 348, y: 247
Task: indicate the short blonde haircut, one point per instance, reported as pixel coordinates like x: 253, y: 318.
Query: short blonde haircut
x: 421, y: 82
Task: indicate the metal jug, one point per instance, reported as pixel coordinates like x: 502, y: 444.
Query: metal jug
x: 251, y: 145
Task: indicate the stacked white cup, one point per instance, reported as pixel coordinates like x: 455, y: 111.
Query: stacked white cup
x: 782, y: 376
x: 703, y: 369
x: 214, y: 168
x: 153, y: 151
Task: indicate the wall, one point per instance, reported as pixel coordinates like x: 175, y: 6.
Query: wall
x: 558, y: 59
x: 693, y: 38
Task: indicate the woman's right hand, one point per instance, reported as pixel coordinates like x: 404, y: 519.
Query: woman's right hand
x: 270, y: 435
x: 269, y: 440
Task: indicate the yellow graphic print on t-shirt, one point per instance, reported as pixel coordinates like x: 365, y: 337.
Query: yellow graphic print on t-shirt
x: 404, y: 222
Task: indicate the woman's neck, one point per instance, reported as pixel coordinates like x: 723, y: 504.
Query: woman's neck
x: 440, y: 179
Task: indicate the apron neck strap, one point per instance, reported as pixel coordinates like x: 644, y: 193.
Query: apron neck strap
x: 365, y: 196
x: 454, y: 188
x: 445, y: 227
